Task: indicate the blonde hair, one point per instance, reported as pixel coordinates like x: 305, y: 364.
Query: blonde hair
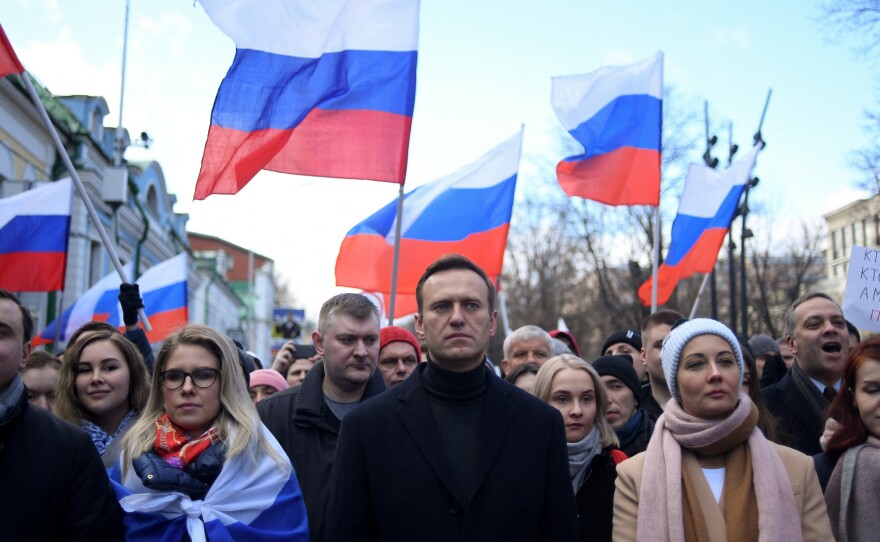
x: 544, y: 380
x: 67, y: 403
x: 238, y: 423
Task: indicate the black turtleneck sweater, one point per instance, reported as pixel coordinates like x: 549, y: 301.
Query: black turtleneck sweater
x: 457, y: 404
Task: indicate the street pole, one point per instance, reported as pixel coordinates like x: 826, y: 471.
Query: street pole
x: 712, y: 163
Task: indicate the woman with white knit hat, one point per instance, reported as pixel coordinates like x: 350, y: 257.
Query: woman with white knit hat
x: 709, y: 474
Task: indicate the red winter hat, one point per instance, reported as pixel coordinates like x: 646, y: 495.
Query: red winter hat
x: 392, y: 334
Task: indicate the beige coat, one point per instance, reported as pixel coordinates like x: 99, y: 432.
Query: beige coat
x: 807, y: 495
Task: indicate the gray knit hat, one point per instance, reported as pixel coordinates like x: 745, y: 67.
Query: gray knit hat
x: 761, y: 344
x: 675, y: 342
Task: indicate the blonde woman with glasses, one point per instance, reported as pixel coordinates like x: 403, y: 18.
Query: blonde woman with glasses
x: 198, y: 464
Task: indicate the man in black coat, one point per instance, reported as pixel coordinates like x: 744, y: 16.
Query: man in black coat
x: 819, y: 340
x: 305, y: 419
x: 454, y: 452
x: 54, y: 486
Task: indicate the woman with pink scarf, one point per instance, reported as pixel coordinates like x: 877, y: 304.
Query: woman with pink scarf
x: 709, y: 474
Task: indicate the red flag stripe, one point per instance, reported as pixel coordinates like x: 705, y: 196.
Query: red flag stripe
x: 9, y: 62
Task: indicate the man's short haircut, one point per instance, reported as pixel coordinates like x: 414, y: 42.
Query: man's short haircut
x: 663, y: 316
x: 447, y: 263
x: 525, y: 333
x: 27, y: 321
x: 357, y: 306
x: 853, y: 331
x: 791, y: 320
x: 40, y: 359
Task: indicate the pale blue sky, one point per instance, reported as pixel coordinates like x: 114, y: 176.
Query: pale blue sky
x: 484, y: 69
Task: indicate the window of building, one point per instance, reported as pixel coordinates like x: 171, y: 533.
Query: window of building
x: 97, y: 127
x: 153, y: 200
x: 876, y: 230
x: 96, y: 260
x: 835, y: 244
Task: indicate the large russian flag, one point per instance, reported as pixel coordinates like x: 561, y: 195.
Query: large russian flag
x: 316, y: 88
x: 708, y: 202
x: 253, y: 499
x: 616, y: 113
x: 34, y: 231
x: 467, y: 212
x: 163, y: 288
x: 9, y: 62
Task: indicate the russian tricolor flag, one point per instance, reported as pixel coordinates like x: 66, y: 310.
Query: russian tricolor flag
x: 708, y: 202
x: 163, y: 288
x: 616, y: 114
x: 316, y: 88
x: 252, y: 499
x: 9, y: 62
x: 467, y: 212
x: 34, y: 230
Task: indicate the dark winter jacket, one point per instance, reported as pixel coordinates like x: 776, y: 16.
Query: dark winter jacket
x: 307, y: 429
x: 159, y: 475
x: 393, y: 481
x: 595, y: 499
x: 795, y: 415
x: 139, y: 338
x: 54, y: 486
x: 640, y: 444
x: 649, y: 404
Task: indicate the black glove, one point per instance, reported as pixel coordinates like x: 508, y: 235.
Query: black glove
x: 130, y: 299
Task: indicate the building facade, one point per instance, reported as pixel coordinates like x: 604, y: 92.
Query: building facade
x: 857, y: 223
x: 250, y: 275
x: 131, y: 200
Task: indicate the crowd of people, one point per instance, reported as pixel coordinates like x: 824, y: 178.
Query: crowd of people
x: 679, y: 430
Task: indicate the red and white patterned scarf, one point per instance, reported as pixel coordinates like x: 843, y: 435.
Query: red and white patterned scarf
x: 176, y: 448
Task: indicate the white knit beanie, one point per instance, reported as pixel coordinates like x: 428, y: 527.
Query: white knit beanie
x: 674, y: 343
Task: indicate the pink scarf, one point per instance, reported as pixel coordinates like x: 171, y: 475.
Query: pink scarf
x: 660, y: 513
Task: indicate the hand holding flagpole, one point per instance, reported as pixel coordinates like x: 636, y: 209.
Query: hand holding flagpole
x: 9, y: 64
x: 111, y: 250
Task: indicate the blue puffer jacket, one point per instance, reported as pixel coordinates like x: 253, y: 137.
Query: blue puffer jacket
x: 155, y: 473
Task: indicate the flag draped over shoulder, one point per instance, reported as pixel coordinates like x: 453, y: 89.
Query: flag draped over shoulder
x: 316, y: 88
x: 708, y: 202
x: 163, y: 288
x: 34, y: 232
x: 253, y: 499
x: 9, y: 62
x: 467, y: 212
x: 616, y: 114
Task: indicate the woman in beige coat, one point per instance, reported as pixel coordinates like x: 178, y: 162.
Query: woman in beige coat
x: 709, y: 474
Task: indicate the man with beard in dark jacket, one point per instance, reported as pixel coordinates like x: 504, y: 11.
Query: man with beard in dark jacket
x: 630, y: 422
x: 54, y: 484
x: 453, y: 452
x: 306, y: 419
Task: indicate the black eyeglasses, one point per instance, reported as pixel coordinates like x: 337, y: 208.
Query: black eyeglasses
x: 201, y: 378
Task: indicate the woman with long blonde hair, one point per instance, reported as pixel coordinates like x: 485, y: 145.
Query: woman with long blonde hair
x: 198, y: 462
x: 572, y: 386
